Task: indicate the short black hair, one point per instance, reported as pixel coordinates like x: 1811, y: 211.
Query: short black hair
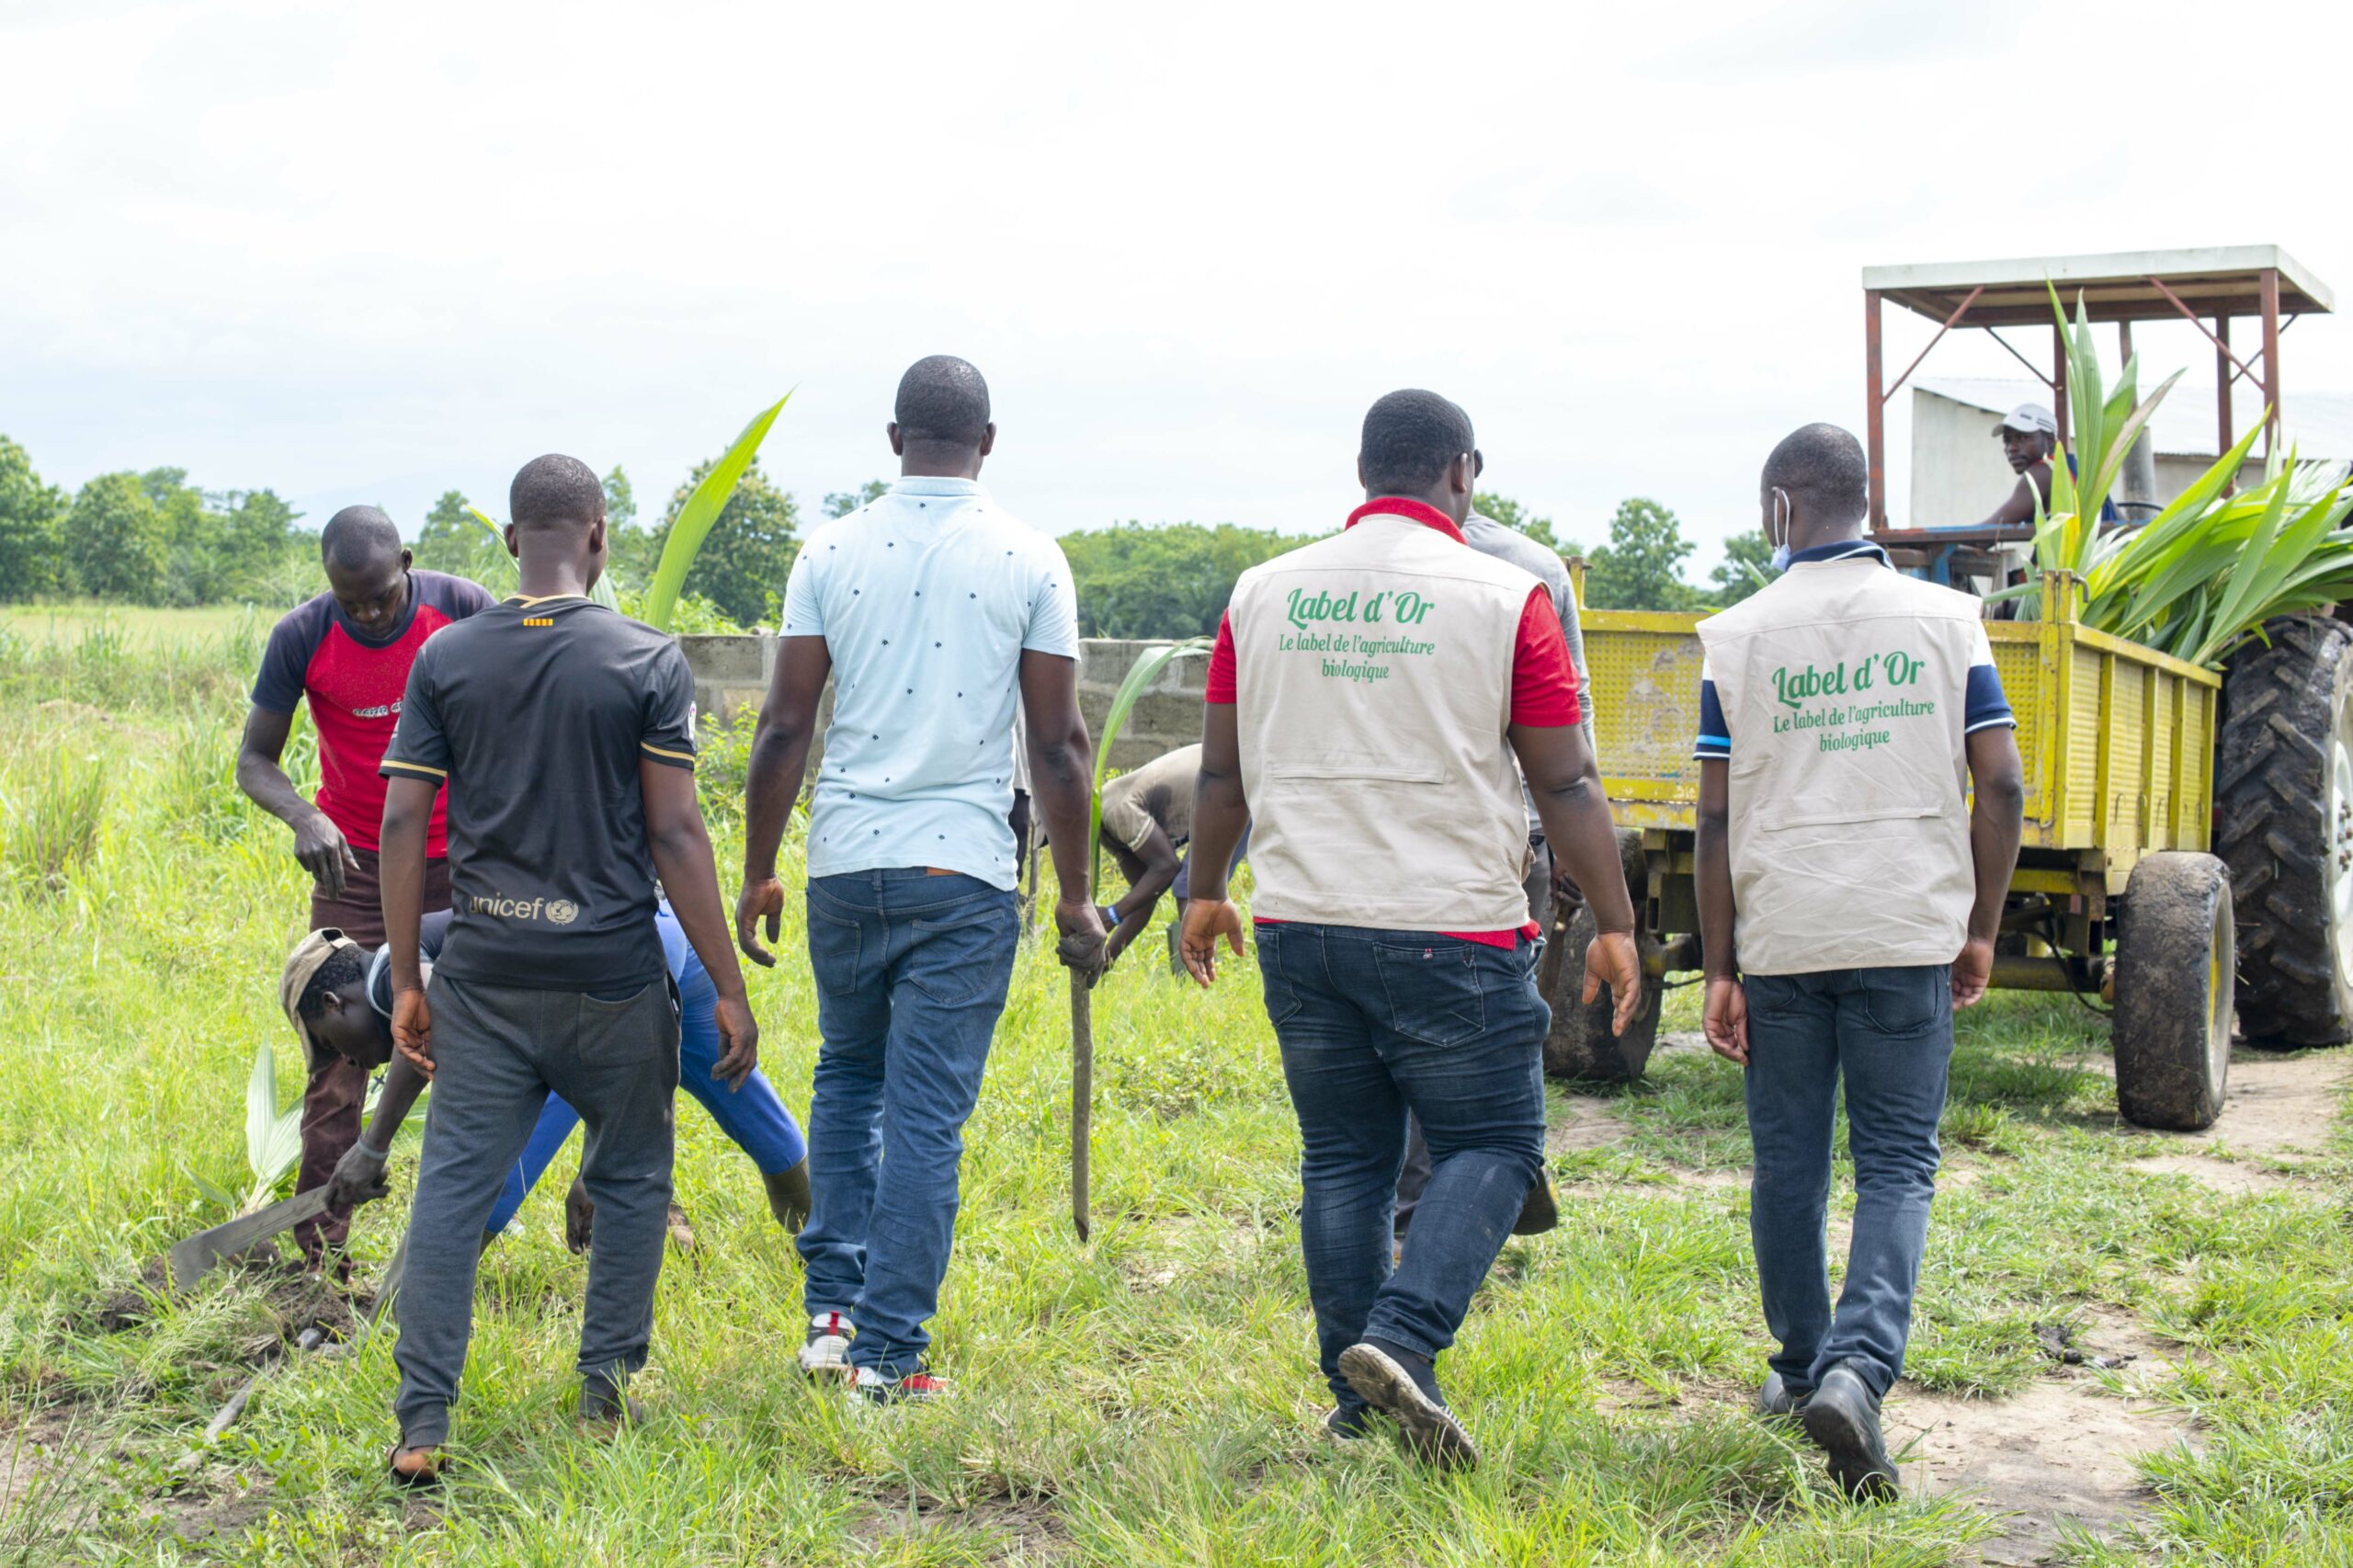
x: 1409, y: 438
x: 344, y: 968
x: 360, y: 536
x: 1824, y: 466
x: 555, y: 489
x: 943, y: 401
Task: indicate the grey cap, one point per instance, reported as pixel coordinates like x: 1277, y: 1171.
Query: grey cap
x: 2029, y: 419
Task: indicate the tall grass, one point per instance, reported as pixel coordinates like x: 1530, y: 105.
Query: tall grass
x: 1149, y: 1399
x: 52, y: 805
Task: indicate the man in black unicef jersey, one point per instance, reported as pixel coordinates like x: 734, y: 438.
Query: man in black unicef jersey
x: 565, y: 734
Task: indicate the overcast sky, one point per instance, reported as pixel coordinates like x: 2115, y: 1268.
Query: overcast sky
x: 370, y: 253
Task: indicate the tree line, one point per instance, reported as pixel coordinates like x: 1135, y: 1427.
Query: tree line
x: 153, y: 539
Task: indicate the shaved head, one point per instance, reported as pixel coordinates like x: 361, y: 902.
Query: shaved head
x: 360, y: 538
x: 942, y: 402
x: 556, y: 491
x: 1824, y: 469
x: 1410, y: 439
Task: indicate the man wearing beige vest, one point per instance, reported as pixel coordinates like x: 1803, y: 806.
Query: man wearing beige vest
x: 1366, y: 696
x: 1848, y: 899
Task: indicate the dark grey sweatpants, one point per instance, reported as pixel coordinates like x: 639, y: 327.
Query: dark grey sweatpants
x: 497, y: 1052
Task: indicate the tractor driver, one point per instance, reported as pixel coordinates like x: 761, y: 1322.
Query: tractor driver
x: 2029, y: 437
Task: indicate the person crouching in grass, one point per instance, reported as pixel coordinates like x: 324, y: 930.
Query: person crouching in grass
x: 339, y: 998
x: 565, y: 732
x: 1848, y: 901
x: 1366, y: 699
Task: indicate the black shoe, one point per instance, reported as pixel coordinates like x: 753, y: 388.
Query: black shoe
x: 602, y: 1404
x: 1539, y: 1213
x: 1348, y: 1422
x: 1777, y: 1399
x: 1843, y: 1417
x: 1403, y: 1386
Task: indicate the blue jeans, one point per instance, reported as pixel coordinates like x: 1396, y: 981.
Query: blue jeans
x: 1889, y: 1033
x: 911, y: 973
x: 752, y: 1117
x: 1374, y: 1024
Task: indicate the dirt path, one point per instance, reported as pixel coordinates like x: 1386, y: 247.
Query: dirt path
x: 2276, y: 1107
x: 2057, y: 1454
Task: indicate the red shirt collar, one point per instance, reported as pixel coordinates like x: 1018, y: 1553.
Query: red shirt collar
x: 1398, y: 506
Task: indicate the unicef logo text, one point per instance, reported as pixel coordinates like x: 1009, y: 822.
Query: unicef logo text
x: 498, y: 906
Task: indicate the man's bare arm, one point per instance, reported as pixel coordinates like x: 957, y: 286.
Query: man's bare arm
x: 780, y: 743
x: 400, y: 853
x: 319, y: 845
x: 1724, y: 1010
x: 682, y: 858
x: 1997, y: 818
x: 1566, y: 783
x: 1220, y: 814
x: 2020, y: 506
x: 1062, y: 786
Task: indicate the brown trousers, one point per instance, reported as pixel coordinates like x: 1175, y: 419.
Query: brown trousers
x: 336, y: 1096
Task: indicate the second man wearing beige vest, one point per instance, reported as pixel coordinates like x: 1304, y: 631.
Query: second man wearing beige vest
x: 1367, y: 697
x: 1849, y: 894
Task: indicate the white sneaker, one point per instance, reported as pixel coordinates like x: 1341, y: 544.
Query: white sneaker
x: 825, y: 1353
x: 916, y: 1388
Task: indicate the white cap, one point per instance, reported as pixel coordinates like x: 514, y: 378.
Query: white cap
x: 2029, y: 419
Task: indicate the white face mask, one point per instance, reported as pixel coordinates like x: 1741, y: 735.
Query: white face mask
x: 1780, y: 524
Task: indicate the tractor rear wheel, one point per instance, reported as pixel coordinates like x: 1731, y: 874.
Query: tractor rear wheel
x: 2175, y: 949
x: 2283, y: 790
x: 1580, y: 1044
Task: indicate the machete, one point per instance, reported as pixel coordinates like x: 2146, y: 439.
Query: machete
x: 192, y: 1260
x: 1082, y: 1095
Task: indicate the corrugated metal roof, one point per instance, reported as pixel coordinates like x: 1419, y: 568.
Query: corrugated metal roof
x: 2319, y: 425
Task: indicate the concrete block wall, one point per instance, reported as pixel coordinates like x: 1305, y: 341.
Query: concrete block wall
x: 731, y: 675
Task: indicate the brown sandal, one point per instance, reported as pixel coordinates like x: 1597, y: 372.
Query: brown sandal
x: 429, y: 1475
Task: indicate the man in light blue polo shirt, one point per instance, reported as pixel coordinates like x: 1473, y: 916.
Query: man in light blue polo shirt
x: 930, y: 607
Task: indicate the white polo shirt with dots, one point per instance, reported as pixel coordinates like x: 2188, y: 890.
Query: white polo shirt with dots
x: 927, y: 598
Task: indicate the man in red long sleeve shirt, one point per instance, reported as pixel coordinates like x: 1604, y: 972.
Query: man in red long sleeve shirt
x: 1366, y: 699
x: 346, y: 652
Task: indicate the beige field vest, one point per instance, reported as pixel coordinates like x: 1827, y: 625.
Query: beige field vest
x: 1373, y: 687
x: 1844, y: 684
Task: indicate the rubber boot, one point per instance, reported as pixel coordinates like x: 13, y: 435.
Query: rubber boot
x: 789, y: 1196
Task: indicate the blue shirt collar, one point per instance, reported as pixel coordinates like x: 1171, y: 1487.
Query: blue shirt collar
x: 925, y: 484
x: 1839, y: 551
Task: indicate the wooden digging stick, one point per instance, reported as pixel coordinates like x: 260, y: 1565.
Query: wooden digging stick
x: 1082, y: 1095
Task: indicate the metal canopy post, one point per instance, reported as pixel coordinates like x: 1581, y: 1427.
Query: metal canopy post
x: 2269, y: 287
x: 1875, y: 413
x: 2222, y: 378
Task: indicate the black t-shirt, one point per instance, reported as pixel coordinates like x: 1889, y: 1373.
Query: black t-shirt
x: 538, y: 713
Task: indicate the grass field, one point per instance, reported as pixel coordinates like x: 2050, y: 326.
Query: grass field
x: 1147, y: 1399
x: 140, y: 626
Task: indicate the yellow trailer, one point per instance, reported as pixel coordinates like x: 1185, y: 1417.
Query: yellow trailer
x: 2118, y: 744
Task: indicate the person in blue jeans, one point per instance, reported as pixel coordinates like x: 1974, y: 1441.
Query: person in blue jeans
x: 1372, y: 700
x: 929, y: 607
x: 754, y: 1118
x: 1849, y: 894
x: 347, y: 1003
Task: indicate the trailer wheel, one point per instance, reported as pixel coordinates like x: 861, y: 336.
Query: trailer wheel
x: 1580, y: 1044
x: 2283, y: 790
x: 2175, y: 949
